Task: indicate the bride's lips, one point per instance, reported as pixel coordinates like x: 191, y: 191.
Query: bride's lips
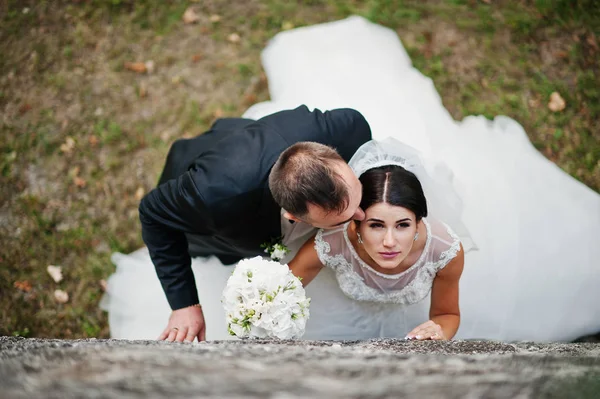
x: 388, y: 255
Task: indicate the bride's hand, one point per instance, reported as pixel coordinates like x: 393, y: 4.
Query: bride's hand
x: 185, y: 325
x: 427, y: 330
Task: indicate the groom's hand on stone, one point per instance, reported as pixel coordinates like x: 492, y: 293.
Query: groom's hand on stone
x: 185, y: 325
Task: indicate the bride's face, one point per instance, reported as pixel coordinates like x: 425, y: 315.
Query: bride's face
x: 388, y: 234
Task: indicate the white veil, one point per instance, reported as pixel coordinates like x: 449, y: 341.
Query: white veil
x: 443, y: 202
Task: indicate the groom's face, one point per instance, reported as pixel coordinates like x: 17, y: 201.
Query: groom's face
x: 320, y: 218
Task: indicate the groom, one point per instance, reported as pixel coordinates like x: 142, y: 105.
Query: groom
x: 215, y: 196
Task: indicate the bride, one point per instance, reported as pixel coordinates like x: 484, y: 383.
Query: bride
x: 396, y: 256
x: 535, y: 273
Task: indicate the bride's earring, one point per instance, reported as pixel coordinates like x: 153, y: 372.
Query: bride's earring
x: 360, y: 241
x: 416, y: 236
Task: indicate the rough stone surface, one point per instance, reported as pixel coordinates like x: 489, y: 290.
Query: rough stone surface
x: 293, y: 369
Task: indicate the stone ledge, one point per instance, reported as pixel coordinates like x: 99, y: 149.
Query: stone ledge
x: 295, y: 369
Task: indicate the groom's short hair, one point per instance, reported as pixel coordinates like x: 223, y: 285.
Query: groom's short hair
x: 305, y: 173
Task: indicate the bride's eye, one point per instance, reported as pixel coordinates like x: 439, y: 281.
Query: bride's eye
x: 404, y: 225
x: 375, y: 225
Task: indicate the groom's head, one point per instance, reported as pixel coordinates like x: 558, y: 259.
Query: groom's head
x: 314, y: 184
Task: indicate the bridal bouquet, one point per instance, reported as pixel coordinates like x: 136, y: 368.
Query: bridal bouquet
x: 263, y: 299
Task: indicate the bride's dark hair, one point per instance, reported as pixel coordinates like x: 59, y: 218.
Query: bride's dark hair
x: 396, y: 186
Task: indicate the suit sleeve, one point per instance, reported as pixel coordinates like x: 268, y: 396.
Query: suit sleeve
x: 345, y: 129
x: 166, y: 214
x: 348, y: 129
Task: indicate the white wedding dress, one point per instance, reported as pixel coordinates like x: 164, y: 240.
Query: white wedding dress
x: 536, y: 275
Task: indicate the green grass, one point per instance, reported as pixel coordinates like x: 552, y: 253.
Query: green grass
x: 62, y: 76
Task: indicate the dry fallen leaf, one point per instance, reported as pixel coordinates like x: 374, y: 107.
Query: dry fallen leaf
x: 142, y: 90
x: 561, y: 54
x: 55, y: 272
x: 557, y: 103
x: 139, y: 193
x: 165, y: 136
x: 79, y: 182
x: 149, y: 66
x: 215, y: 18
x: 190, y: 16
x: 61, y: 296
x: 68, y: 145
x: 533, y: 102
x: 218, y: 113
x: 24, y: 108
x: 93, y: 140
x: 250, y: 99
x: 234, y: 38
x: 74, y: 171
x: 287, y: 25
x: 591, y: 40
x: 24, y: 286
x: 196, y: 57
x: 139, y: 67
x: 428, y: 48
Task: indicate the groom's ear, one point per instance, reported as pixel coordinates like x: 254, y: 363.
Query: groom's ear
x: 291, y: 217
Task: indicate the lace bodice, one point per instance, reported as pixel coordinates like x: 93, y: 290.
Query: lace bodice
x: 361, y: 282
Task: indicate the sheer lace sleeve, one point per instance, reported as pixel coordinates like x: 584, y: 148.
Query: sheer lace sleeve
x: 331, y: 248
x: 445, y: 244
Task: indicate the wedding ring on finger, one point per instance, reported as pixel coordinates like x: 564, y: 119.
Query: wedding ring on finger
x: 175, y: 329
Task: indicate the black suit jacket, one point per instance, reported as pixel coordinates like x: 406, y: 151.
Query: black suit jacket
x: 215, y: 187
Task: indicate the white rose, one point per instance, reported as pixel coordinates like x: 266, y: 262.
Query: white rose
x: 263, y: 299
x: 278, y: 254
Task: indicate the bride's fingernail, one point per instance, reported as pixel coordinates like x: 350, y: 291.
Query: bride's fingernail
x: 419, y: 336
